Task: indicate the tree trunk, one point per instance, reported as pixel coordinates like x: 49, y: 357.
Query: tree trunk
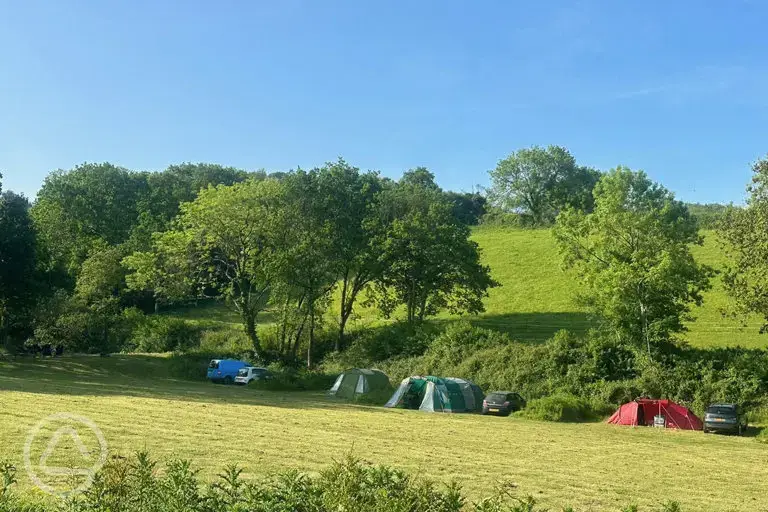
x: 344, y: 313
x: 311, y: 332
x: 249, y: 319
x: 342, y: 326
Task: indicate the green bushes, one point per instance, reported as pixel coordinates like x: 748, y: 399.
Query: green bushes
x: 288, y: 378
x: 138, y: 484
x: 564, y: 407
x: 165, y: 334
x: 595, y: 367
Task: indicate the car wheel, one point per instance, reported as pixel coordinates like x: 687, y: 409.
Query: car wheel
x: 228, y: 380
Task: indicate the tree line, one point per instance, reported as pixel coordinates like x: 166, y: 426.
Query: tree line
x: 102, y: 243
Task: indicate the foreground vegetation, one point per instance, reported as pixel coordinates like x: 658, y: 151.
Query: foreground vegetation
x: 139, y: 484
x: 139, y: 406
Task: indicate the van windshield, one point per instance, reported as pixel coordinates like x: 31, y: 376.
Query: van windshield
x: 214, y: 364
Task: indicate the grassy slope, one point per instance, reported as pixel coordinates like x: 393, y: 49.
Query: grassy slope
x: 537, y: 298
x: 592, y: 466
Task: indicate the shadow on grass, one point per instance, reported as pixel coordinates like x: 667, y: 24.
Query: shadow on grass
x: 143, y: 377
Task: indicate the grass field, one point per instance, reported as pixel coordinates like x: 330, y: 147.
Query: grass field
x: 591, y: 466
x: 537, y: 298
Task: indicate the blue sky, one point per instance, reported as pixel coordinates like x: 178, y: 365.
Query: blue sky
x: 678, y: 89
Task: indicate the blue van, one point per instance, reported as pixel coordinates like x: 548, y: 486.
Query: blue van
x: 224, y: 370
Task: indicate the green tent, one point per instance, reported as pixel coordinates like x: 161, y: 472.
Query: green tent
x: 358, y: 381
x: 436, y: 394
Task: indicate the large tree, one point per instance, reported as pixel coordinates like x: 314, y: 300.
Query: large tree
x: 17, y: 268
x: 223, y: 244
x: 428, y: 261
x: 540, y: 182
x: 167, y: 190
x: 81, y: 208
x: 744, y: 235
x: 349, y: 195
x: 633, y: 257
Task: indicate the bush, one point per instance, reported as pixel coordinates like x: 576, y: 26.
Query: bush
x: 564, y: 407
x: 288, y: 378
x: 166, y: 334
x: 136, y: 484
x: 230, y: 341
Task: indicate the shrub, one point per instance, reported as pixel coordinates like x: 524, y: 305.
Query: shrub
x: 564, y: 407
x: 230, y: 341
x: 288, y: 378
x: 166, y: 334
x: 136, y: 484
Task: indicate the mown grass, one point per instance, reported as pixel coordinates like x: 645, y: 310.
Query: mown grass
x: 591, y: 466
x: 537, y: 297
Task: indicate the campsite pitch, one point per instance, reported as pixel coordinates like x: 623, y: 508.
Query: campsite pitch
x: 589, y: 466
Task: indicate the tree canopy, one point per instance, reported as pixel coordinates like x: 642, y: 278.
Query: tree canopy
x: 744, y: 235
x: 632, y: 255
x: 541, y: 182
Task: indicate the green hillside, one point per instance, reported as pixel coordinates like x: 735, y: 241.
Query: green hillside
x: 537, y: 297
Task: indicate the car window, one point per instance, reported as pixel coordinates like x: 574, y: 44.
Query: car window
x: 497, y: 397
x: 214, y: 364
x: 243, y: 372
x: 722, y: 409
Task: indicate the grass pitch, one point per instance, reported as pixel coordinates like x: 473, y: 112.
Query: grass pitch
x: 590, y: 466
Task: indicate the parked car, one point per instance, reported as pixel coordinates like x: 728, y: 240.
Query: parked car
x: 724, y: 418
x: 502, y: 403
x: 250, y: 373
x: 224, y: 370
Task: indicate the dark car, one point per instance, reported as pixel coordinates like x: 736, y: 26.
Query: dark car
x: 724, y: 418
x: 502, y: 403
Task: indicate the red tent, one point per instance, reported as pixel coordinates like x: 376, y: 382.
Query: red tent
x: 643, y: 410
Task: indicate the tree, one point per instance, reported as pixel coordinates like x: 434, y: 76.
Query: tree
x: 223, y: 244
x: 348, y: 197
x: 744, y: 236
x: 468, y: 207
x: 541, y: 182
x: 76, y: 210
x: 632, y: 255
x: 428, y: 261
x: 167, y: 190
x: 311, y: 265
x: 17, y: 268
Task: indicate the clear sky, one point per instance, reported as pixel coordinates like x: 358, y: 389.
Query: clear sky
x: 678, y: 89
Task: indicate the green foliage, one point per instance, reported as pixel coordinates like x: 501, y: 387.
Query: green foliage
x: 540, y: 182
x: 289, y: 378
x: 165, y: 334
x: 138, y: 484
x: 564, y: 407
x: 744, y: 232
x: 76, y: 209
x: 224, y: 341
x: 708, y: 215
x: 223, y: 244
x: 18, y: 279
x: 429, y: 263
x: 633, y: 257
x: 468, y: 207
